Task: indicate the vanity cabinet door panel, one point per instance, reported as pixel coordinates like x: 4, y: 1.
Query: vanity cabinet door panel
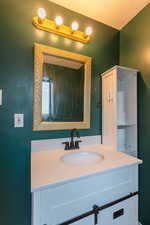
x: 127, y: 209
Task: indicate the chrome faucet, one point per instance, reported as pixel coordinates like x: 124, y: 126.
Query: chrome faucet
x: 73, y: 144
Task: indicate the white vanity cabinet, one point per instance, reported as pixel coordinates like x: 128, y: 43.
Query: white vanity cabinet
x: 119, y: 109
x: 57, y: 203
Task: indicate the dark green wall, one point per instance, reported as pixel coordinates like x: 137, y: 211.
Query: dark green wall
x: 135, y: 53
x: 17, y: 36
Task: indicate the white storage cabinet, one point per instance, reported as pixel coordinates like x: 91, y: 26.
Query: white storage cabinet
x: 119, y: 109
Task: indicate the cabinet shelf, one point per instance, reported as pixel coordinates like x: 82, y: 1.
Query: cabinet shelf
x: 125, y: 125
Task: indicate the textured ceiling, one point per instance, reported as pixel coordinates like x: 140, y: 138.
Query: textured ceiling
x: 115, y: 13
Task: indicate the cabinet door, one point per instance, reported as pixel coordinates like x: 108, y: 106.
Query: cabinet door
x: 109, y: 112
x: 123, y: 213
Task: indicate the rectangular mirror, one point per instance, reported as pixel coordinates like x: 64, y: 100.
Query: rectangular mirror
x: 62, y: 89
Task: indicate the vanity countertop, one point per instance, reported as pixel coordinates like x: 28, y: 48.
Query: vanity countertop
x: 48, y: 170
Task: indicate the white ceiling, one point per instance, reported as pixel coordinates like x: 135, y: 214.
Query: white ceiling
x: 115, y: 13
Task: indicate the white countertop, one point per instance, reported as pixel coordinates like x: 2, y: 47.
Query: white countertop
x: 48, y: 170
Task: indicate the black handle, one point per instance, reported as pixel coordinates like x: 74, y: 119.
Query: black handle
x: 66, y: 145
x: 77, y: 144
x: 96, y: 212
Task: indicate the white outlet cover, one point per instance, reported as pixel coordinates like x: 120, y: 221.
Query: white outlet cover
x: 0, y: 96
x: 18, y: 120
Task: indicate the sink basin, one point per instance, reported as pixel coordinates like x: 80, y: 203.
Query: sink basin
x: 82, y: 157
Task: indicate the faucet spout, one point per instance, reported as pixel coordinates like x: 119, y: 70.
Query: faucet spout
x: 73, y: 131
x: 73, y: 144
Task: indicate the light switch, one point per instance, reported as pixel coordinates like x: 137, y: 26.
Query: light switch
x: 19, y: 120
x: 0, y: 96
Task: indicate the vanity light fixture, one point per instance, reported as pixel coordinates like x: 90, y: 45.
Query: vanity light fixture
x: 74, y: 27
x: 41, y: 15
x: 41, y: 22
x: 58, y: 21
x: 88, y: 31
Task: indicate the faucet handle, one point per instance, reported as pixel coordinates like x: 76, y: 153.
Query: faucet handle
x: 66, y: 145
x: 77, y: 144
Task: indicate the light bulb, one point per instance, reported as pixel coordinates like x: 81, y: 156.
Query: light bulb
x: 58, y: 21
x: 41, y: 14
x: 74, y: 26
x: 88, y: 31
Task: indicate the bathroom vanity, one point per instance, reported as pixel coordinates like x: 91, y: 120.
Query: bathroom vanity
x: 64, y: 190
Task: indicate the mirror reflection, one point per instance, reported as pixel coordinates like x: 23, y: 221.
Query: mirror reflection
x: 62, y: 89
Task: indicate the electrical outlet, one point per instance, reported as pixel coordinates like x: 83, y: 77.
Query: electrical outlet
x: 0, y: 96
x: 18, y: 120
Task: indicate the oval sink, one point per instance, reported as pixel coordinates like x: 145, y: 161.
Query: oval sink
x: 82, y: 157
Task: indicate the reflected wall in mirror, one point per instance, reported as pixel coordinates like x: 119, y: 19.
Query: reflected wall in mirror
x: 62, y: 89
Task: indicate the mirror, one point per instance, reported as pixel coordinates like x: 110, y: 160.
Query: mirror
x: 62, y: 89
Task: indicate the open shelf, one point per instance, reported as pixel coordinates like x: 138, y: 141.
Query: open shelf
x: 125, y: 125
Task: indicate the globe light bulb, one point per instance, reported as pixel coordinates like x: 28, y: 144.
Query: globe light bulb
x: 58, y: 21
x: 74, y: 26
x: 88, y: 31
x: 41, y: 14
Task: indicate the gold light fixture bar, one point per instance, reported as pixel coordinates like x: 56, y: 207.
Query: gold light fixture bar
x: 65, y: 31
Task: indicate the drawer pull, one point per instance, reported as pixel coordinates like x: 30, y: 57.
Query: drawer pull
x: 118, y: 213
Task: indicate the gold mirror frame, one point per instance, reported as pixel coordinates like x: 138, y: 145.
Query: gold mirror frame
x: 38, y: 124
